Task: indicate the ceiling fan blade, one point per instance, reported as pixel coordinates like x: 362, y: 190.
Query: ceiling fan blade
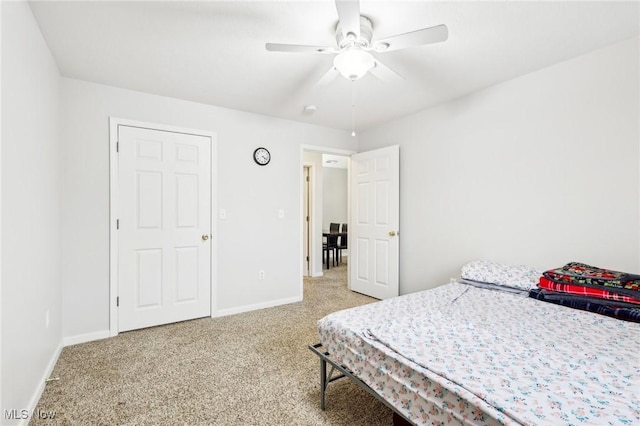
x: 414, y: 38
x: 298, y: 48
x: 349, y: 16
x: 385, y: 73
x: 328, y: 77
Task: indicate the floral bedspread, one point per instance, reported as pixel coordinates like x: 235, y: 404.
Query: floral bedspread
x: 463, y: 355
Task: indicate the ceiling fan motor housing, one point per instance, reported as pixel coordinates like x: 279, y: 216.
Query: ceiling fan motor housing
x: 364, y: 41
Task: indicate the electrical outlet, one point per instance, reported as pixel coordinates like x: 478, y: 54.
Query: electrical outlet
x: 453, y: 280
x: 46, y: 319
x: 223, y: 214
x: 261, y: 275
x: 281, y: 214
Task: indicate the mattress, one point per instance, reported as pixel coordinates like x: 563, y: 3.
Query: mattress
x: 459, y: 354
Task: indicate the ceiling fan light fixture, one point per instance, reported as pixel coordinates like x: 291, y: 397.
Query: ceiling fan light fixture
x: 353, y: 63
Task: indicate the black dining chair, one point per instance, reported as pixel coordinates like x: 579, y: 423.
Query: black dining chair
x: 332, y: 243
x: 342, y: 243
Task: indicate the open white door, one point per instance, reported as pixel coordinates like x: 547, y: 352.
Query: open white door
x: 375, y: 222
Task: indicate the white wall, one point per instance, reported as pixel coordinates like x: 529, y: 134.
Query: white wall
x: 252, y: 238
x: 30, y: 210
x: 335, y: 200
x: 539, y: 170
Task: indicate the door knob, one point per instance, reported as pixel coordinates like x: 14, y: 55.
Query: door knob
x: 392, y: 233
x: 205, y: 237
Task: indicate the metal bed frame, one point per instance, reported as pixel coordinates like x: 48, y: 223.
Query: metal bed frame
x: 325, y: 379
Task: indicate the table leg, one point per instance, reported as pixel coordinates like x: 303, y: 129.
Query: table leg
x: 328, y: 257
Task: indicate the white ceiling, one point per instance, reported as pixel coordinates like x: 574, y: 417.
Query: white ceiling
x: 213, y: 52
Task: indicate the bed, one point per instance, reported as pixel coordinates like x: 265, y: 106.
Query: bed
x: 459, y: 354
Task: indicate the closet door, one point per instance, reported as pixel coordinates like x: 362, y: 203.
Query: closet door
x: 164, y: 253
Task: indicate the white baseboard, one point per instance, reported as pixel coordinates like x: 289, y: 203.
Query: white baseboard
x: 255, y: 307
x: 317, y: 274
x: 84, y: 338
x: 35, y: 398
x: 67, y: 341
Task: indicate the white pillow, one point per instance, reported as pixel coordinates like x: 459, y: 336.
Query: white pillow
x: 518, y: 276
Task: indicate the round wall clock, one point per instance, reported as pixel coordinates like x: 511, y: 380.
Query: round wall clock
x: 261, y: 156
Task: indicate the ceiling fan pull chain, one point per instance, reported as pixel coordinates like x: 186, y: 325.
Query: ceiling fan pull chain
x: 353, y: 107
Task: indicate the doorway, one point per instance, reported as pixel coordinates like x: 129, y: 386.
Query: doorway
x: 313, y: 161
x: 162, y: 198
x: 373, y: 212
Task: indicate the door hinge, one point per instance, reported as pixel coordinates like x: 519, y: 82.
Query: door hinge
x: 307, y: 178
x: 117, y: 223
x: 117, y: 146
x: 307, y: 258
x: 307, y: 218
x: 118, y: 301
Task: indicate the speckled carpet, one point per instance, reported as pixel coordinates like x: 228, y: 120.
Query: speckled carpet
x: 247, y: 369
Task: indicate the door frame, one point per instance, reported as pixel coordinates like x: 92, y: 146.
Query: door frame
x: 114, y: 206
x: 307, y: 198
x: 313, y: 194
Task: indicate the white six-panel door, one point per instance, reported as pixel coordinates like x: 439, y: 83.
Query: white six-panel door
x: 164, y: 253
x: 375, y: 220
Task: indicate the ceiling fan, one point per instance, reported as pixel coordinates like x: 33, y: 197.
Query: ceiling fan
x: 354, y: 39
